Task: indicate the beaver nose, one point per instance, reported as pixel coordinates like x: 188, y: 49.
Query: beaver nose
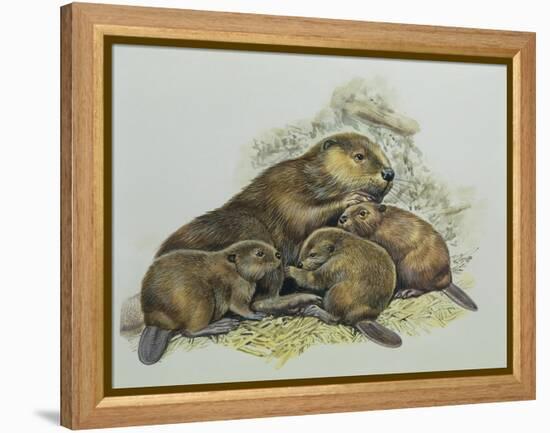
x: 278, y: 255
x: 387, y: 174
x: 343, y: 219
x: 300, y: 265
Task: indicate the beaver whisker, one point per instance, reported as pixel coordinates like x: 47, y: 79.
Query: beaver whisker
x: 395, y: 197
x: 396, y: 188
x: 400, y: 179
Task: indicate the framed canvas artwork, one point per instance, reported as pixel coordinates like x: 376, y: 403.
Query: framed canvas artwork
x: 273, y: 209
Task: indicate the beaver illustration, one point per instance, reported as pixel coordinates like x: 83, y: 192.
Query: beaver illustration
x: 287, y: 202
x: 188, y: 292
x: 356, y: 276
x: 420, y: 254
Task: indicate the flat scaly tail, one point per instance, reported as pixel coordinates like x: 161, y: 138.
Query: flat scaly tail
x: 459, y: 296
x: 379, y: 334
x: 153, y: 343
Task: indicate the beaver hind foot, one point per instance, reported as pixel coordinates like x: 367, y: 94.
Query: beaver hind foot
x: 374, y: 331
x: 459, y: 297
x: 408, y: 293
x: 220, y: 327
x: 379, y: 334
x: 319, y: 313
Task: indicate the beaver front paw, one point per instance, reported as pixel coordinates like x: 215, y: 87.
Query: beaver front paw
x: 286, y: 304
x: 355, y: 198
x: 302, y: 300
x: 291, y: 272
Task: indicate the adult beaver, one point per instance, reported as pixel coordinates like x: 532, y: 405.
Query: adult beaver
x: 356, y: 276
x: 189, y: 291
x: 420, y: 254
x: 287, y: 202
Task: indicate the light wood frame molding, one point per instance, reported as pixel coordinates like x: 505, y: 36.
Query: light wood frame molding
x: 84, y: 27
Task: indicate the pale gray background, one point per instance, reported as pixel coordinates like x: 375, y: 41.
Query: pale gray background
x: 181, y: 118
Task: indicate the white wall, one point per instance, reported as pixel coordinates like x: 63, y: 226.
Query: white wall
x: 29, y: 169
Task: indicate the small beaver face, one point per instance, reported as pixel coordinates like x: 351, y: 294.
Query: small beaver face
x: 254, y: 259
x: 319, y: 247
x: 316, y: 255
x: 355, y: 163
x: 362, y: 219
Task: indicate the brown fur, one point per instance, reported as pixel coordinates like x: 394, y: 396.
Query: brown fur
x: 358, y: 276
x: 287, y: 202
x: 187, y: 290
x: 418, y: 250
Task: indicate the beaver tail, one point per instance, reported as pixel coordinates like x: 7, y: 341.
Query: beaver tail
x: 153, y: 343
x: 378, y: 333
x: 459, y: 296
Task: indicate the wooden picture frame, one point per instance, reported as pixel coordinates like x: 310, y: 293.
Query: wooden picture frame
x: 86, y: 29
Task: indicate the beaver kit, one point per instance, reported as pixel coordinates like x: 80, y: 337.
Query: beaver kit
x: 188, y: 292
x: 356, y: 276
x: 418, y: 250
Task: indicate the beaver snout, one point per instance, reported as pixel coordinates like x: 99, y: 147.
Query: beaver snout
x: 278, y: 255
x: 300, y: 265
x: 342, y: 220
x: 387, y: 174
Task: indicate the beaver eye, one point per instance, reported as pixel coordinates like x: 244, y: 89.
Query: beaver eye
x: 363, y: 213
x: 260, y: 253
x: 359, y: 157
x: 331, y: 249
x: 312, y: 254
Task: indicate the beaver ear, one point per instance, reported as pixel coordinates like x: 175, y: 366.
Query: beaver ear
x: 382, y: 208
x: 232, y: 258
x: 329, y: 142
